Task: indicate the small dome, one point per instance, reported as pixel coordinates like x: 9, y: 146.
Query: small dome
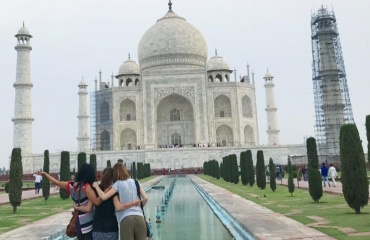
x: 23, y: 31
x: 268, y: 75
x: 129, y: 67
x: 172, y: 40
x: 217, y: 63
x: 82, y: 83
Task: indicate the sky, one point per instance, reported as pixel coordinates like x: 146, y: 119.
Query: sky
x: 75, y: 38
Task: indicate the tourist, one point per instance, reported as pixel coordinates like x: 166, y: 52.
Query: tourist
x: 38, y: 179
x: 105, y: 225
x: 324, y: 174
x: 81, y: 193
x: 333, y: 174
x: 131, y: 220
x: 304, y: 173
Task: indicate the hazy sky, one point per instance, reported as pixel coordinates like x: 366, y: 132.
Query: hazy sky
x: 74, y: 39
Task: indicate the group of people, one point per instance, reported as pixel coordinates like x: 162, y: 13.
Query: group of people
x: 326, y: 173
x: 108, y: 210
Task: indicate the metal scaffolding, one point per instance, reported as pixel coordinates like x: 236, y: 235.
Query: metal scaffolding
x: 331, y: 96
x: 101, y: 120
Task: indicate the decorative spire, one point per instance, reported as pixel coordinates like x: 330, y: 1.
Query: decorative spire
x: 216, y: 51
x: 170, y: 5
x: 129, y: 56
x: 23, y: 23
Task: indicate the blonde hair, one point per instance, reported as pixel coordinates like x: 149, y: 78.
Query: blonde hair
x: 120, y: 172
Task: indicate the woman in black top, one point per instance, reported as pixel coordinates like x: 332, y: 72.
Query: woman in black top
x: 105, y: 225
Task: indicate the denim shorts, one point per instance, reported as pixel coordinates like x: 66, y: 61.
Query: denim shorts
x: 105, y: 235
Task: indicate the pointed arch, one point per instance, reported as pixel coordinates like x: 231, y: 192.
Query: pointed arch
x: 210, y: 78
x: 224, y: 135
x: 128, y: 139
x: 129, y: 82
x: 104, y: 112
x: 249, y: 136
x: 105, y: 141
x: 137, y: 82
x: 222, y: 106
x: 218, y: 78
x: 247, y: 107
x: 127, y: 110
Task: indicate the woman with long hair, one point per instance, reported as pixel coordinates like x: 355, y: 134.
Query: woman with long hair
x: 131, y: 220
x: 105, y: 225
x: 81, y: 192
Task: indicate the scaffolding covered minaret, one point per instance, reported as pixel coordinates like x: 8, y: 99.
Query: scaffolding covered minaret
x: 332, y: 104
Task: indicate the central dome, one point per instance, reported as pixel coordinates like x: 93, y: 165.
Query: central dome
x: 172, y: 40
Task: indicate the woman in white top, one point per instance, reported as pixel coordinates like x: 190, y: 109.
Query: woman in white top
x: 131, y: 220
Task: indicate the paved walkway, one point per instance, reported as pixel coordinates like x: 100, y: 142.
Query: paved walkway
x: 261, y: 222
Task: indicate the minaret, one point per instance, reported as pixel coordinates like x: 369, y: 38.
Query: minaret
x: 83, y: 119
x: 271, y: 110
x: 23, y: 119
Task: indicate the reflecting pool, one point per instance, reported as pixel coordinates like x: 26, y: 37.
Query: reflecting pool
x: 186, y: 216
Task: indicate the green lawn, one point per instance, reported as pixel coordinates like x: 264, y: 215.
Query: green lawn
x: 31, y: 211
x: 332, y: 210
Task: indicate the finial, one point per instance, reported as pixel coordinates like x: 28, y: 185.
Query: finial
x: 23, y: 23
x: 129, y: 56
x: 216, y: 51
x: 170, y: 5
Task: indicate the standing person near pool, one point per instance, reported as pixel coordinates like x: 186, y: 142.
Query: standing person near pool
x: 81, y: 192
x: 131, y: 220
x: 105, y: 225
x: 38, y: 179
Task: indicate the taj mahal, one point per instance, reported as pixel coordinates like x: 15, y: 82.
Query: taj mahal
x: 174, y: 108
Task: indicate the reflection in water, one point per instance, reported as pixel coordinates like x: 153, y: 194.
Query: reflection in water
x: 186, y: 216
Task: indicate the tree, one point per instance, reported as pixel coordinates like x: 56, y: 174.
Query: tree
x: 290, y: 178
x: 368, y: 136
x: 45, y: 181
x: 65, y: 174
x: 15, y: 179
x: 81, y: 159
x: 109, y: 163
x: 93, y: 163
x: 272, y: 169
x: 234, y: 168
x: 314, y: 176
x: 250, y: 168
x: 243, y: 168
x: 354, y: 180
x: 133, y: 171
x: 140, y: 169
x: 260, y: 170
x: 217, y: 169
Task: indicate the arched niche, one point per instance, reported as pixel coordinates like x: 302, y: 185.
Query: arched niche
x: 224, y: 136
x: 127, y: 110
x: 248, y: 136
x: 128, y: 139
x: 247, y: 107
x: 222, y: 106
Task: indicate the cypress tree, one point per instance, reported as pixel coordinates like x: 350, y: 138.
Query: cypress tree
x: 109, y: 163
x: 368, y: 136
x: 261, y: 170
x: 134, y: 173
x: 221, y: 170
x: 140, y: 168
x: 250, y: 169
x: 272, y: 169
x: 65, y: 174
x: 81, y: 159
x: 290, y: 178
x: 93, y: 162
x: 217, y: 169
x: 15, y: 179
x: 243, y: 168
x: 314, y: 176
x: 234, y: 168
x: 226, y: 168
x: 354, y: 180
x: 45, y: 181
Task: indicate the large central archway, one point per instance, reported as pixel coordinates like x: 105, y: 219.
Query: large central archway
x: 175, y: 117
